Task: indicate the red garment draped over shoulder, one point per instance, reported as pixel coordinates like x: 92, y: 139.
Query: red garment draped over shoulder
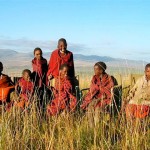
x: 62, y: 97
x: 56, y: 61
x: 25, y: 93
x: 6, y: 86
x: 99, y: 89
x: 39, y: 71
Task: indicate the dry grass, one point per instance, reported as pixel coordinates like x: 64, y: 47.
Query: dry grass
x: 32, y: 130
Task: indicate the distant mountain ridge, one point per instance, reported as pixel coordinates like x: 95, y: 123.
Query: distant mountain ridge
x: 12, y: 58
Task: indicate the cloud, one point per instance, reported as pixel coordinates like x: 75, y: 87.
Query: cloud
x: 27, y: 45
x: 144, y: 53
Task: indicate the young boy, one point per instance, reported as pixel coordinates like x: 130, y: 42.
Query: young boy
x: 63, y: 98
x: 24, y: 89
x: 58, y: 57
x: 100, y: 87
x: 99, y: 95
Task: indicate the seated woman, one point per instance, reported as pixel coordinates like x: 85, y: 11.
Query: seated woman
x: 100, y: 88
x: 63, y: 98
x: 23, y: 90
x: 6, y: 86
x: 138, y: 101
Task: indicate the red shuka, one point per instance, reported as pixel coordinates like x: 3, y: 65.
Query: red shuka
x: 56, y: 61
x: 6, y: 86
x: 26, y: 89
x: 99, y: 89
x: 39, y: 71
x: 62, y: 97
x: 137, y: 111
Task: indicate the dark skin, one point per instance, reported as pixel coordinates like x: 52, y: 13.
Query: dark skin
x: 98, y: 71
x: 64, y: 72
x: 62, y: 49
x: 147, y: 73
x: 26, y: 77
x: 1, y: 68
x: 38, y: 54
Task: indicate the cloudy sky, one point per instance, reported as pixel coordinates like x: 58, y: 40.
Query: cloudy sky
x: 116, y: 28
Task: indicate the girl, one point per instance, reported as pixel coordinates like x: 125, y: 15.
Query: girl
x: 24, y: 90
x: 39, y: 65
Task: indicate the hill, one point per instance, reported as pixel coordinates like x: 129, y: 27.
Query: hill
x: 14, y: 60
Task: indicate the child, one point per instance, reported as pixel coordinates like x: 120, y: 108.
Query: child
x: 39, y: 65
x: 100, y: 87
x: 99, y: 95
x: 63, y: 99
x: 58, y: 57
x: 24, y: 89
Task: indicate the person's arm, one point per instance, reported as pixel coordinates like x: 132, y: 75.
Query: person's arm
x: 51, y: 66
x: 131, y: 94
x: 133, y: 90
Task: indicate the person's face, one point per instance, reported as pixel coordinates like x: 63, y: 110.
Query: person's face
x: 38, y: 54
x: 147, y: 73
x: 98, y: 71
x: 1, y: 68
x: 26, y: 76
x: 62, y: 46
x: 64, y: 72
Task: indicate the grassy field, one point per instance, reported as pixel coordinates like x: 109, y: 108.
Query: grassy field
x: 32, y: 130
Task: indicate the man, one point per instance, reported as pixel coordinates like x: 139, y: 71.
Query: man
x: 139, y: 97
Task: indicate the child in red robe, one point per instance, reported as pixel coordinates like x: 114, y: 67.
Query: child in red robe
x: 100, y: 88
x: 24, y: 90
x: 58, y: 57
x: 39, y: 65
x: 63, y: 98
x: 6, y: 86
x: 98, y: 98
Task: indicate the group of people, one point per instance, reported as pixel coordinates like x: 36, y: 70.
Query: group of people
x: 58, y: 77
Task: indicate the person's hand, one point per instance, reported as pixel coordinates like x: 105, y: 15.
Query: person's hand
x: 50, y: 77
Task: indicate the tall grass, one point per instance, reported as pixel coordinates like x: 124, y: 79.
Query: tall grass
x: 32, y: 130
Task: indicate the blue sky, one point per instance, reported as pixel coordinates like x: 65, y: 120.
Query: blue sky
x: 116, y: 28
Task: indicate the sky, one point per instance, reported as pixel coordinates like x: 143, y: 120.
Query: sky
x: 115, y: 28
